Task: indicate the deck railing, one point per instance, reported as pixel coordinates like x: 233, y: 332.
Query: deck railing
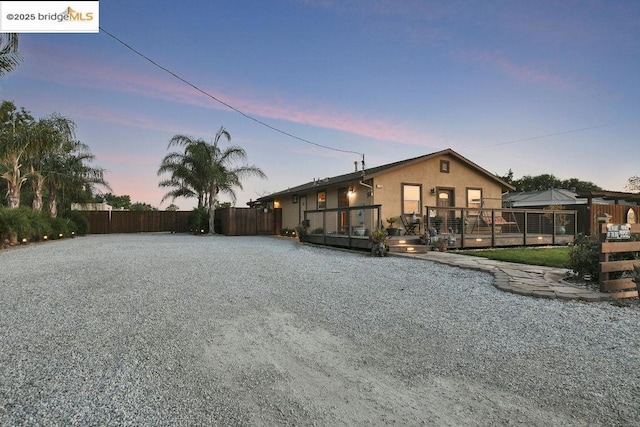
x: 348, y: 226
x: 482, y: 227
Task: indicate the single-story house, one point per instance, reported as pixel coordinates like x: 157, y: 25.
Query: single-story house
x: 401, y: 189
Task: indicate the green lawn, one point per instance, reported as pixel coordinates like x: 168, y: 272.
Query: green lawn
x: 550, y: 257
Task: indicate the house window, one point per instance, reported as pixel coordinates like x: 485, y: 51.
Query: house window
x: 444, y: 166
x: 474, y: 198
x: 322, y: 199
x: 411, y: 199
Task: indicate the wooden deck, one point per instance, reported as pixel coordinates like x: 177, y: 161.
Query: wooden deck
x: 475, y: 241
x: 470, y: 228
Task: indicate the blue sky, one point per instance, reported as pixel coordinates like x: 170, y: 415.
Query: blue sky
x: 536, y: 87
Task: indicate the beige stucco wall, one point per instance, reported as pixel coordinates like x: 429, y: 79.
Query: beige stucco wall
x: 387, y: 190
x: 427, y: 173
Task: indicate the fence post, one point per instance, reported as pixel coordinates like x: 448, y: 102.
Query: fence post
x: 604, y: 257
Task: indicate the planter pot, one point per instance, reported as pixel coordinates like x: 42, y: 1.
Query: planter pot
x: 379, y: 250
x: 561, y: 230
x: 393, y: 231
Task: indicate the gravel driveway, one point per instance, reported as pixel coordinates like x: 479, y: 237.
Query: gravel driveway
x: 160, y: 329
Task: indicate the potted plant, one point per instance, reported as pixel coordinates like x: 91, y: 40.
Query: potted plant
x: 561, y: 219
x: 442, y: 245
x: 393, y: 231
x: 378, y: 238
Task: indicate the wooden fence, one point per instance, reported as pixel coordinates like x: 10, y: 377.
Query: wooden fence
x: 623, y: 287
x: 105, y: 222
x: 618, y: 215
x: 249, y: 221
x: 232, y: 221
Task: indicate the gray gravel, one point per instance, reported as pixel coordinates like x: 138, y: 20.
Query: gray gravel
x: 160, y: 329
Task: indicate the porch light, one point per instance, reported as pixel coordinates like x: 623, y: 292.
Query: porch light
x: 433, y: 191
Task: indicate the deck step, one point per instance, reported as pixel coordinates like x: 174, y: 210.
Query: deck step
x: 416, y: 249
x: 411, y: 244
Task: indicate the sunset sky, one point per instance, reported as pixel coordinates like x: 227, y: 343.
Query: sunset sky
x: 533, y: 86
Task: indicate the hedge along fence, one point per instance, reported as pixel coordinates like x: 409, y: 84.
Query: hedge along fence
x: 619, y: 287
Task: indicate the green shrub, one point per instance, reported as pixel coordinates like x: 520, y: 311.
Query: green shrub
x: 78, y: 222
x: 15, y: 224
x: 301, y: 231
x: 40, y: 225
x: 60, y: 228
x: 584, y: 257
x: 198, y: 221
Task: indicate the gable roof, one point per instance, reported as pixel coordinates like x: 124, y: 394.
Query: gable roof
x: 372, y: 172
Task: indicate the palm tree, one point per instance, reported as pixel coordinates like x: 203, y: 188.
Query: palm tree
x: 70, y: 177
x: 204, y: 170
x: 9, y: 57
x: 48, y: 138
x: 14, y: 125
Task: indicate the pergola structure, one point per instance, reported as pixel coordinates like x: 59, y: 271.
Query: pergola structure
x: 616, y: 196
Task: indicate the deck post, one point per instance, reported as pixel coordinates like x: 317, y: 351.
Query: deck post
x: 493, y: 228
x: 463, y: 214
x: 526, y: 227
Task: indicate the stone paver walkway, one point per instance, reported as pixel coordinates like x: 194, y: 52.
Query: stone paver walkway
x: 521, y: 279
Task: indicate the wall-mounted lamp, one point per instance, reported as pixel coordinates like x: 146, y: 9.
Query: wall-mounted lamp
x: 433, y: 191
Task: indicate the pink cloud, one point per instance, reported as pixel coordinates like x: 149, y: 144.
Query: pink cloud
x: 128, y: 158
x: 67, y: 70
x: 525, y: 73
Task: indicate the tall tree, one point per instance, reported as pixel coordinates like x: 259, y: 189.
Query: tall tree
x: 9, y: 56
x: 205, y: 170
x: 70, y: 176
x: 116, y: 202
x: 547, y: 181
x: 633, y: 183
x: 49, y: 137
x: 14, y: 126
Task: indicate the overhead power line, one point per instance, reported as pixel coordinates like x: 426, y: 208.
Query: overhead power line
x: 552, y: 134
x: 226, y: 104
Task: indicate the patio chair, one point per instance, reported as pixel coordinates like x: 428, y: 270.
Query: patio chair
x: 409, y: 225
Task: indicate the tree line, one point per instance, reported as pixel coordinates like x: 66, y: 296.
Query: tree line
x: 547, y: 181
x: 42, y: 162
